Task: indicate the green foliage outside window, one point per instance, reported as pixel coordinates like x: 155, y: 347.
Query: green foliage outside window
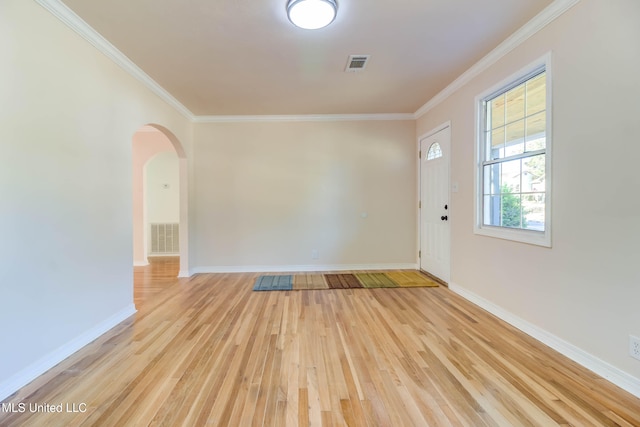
x: 512, y: 214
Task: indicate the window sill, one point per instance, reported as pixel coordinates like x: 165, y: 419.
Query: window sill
x: 538, y: 238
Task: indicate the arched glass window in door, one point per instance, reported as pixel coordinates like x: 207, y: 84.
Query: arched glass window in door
x: 434, y: 151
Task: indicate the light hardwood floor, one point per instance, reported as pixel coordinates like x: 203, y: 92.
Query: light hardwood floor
x: 209, y: 351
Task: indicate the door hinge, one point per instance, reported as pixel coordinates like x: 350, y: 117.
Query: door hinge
x: 420, y: 154
x: 420, y: 204
x: 419, y: 254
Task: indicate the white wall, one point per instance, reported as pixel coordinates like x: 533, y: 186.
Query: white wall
x: 162, y: 189
x: 146, y: 144
x: 268, y: 194
x: 586, y: 288
x: 67, y: 117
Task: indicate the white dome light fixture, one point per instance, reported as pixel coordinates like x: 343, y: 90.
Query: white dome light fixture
x: 312, y: 14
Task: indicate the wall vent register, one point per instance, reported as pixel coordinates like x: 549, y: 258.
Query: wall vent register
x: 165, y: 239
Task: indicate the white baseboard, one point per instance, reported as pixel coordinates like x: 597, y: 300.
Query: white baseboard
x: 25, y: 376
x: 184, y: 273
x: 594, y: 364
x: 299, y: 268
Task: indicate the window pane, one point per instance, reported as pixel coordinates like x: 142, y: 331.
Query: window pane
x: 533, y: 174
x: 497, y: 111
x: 434, y: 151
x: 536, y: 131
x: 511, y: 214
x: 533, y: 211
x: 536, y: 94
x: 491, y: 210
x: 495, y: 144
x: 486, y: 179
x: 515, y: 139
x: 515, y: 104
x: 491, y: 179
x: 510, y: 176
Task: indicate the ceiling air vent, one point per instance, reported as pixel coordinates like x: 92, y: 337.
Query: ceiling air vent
x: 356, y: 63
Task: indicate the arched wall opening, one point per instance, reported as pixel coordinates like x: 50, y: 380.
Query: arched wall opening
x: 153, y: 141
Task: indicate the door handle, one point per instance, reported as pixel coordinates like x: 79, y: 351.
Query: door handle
x: 444, y: 218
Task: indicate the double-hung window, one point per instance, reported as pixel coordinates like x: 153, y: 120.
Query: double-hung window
x: 513, y: 158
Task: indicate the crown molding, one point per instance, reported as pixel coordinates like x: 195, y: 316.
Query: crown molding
x: 304, y: 118
x: 541, y: 20
x: 73, y: 21
x: 77, y: 24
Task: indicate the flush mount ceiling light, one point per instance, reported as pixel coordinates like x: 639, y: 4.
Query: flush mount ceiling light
x: 312, y: 14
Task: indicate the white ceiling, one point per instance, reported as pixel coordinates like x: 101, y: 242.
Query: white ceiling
x: 243, y: 57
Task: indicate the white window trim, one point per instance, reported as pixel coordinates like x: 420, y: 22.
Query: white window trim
x: 540, y: 238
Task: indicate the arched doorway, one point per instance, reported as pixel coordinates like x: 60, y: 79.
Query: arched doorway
x: 150, y: 140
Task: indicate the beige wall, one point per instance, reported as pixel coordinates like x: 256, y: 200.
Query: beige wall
x: 67, y: 118
x: 162, y: 185
x: 586, y: 288
x: 268, y: 194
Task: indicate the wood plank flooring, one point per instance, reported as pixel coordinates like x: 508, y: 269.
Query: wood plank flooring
x: 209, y: 351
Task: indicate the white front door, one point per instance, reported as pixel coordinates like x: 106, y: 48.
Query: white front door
x: 435, y: 209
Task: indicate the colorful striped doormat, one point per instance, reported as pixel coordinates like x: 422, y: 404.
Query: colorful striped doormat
x: 395, y: 279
